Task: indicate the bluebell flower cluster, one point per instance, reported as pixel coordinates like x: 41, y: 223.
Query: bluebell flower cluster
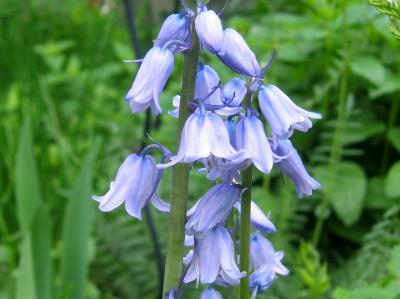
x: 225, y: 133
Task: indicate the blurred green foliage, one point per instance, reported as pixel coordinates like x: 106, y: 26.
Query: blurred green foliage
x: 64, y: 126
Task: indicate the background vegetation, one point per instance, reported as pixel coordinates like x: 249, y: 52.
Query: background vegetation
x: 65, y: 128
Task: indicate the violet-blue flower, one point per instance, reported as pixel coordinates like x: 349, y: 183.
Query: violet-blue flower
x: 258, y: 219
x: 265, y: 261
x: 204, y: 134
x: 206, y: 83
x: 293, y: 167
x: 282, y: 114
x: 250, y: 137
x: 213, y: 208
x: 214, y: 256
x: 209, y: 30
x: 210, y: 293
x: 232, y: 95
x: 236, y: 54
x: 175, y: 28
x: 150, y: 80
x: 135, y: 184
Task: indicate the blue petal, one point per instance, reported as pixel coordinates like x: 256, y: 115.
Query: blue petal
x: 213, y: 208
x: 236, y: 54
x: 293, y: 167
x: 209, y: 30
x: 175, y: 27
x: 210, y: 293
x: 146, y: 88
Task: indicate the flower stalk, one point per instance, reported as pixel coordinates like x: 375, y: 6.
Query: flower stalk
x: 245, y: 223
x: 180, y: 178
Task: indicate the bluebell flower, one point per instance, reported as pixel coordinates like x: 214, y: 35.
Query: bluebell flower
x: 251, y: 138
x: 236, y: 54
x: 213, y: 208
x: 175, y: 28
x: 210, y: 293
x: 282, y: 114
x: 204, y: 134
x: 214, y: 257
x: 206, y: 82
x: 135, y: 184
x: 227, y: 171
x: 150, y: 80
x: 293, y: 167
x: 258, y: 219
x: 233, y: 93
x: 265, y: 261
x: 209, y: 30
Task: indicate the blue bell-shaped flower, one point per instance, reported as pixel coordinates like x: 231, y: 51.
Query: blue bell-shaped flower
x: 282, y: 114
x: 135, y: 184
x: 293, y: 167
x: 150, y: 80
x: 236, y: 54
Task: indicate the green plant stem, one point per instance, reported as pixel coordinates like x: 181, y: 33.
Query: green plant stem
x: 245, y: 224
x: 335, y: 154
x: 245, y: 233
x: 180, y: 178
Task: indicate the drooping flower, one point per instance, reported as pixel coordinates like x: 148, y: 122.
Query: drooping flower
x: 210, y: 293
x: 175, y: 28
x: 236, y: 54
x: 227, y: 171
x: 250, y: 137
x: 150, y: 80
x: 293, y: 167
x: 214, y: 256
x: 265, y: 261
x: 135, y: 184
x: 282, y: 114
x: 213, y: 208
x: 258, y: 219
x: 233, y: 93
x: 204, y: 134
x: 206, y: 83
x: 209, y: 30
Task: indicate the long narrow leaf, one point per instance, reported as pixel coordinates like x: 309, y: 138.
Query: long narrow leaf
x: 77, y: 226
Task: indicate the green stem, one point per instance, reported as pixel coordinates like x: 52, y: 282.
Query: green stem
x: 180, y: 178
x: 245, y: 224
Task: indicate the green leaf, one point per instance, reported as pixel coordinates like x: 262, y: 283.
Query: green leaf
x: 41, y: 252
x: 25, y: 280
x: 392, y: 184
x: 346, y: 187
x: 369, y: 68
x: 376, y: 197
x: 76, y: 230
x: 394, y: 137
x: 34, y: 279
x: 394, y: 264
x: 390, y: 85
x: 26, y: 180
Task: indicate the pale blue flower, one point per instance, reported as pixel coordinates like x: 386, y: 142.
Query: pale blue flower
x: 282, y: 114
x: 135, y: 184
x: 150, y: 80
x: 206, y: 83
x: 236, y: 54
x: 251, y: 138
x: 258, y: 219
x: 176, y: 27
x: 204, y: 134
x: 227, y: 171
x: 293, y: 167
x: 213, y: 208
x: 265, y: 261
x: 209, y: 30
x: 214, y: 257
x: 210, y: 293
x: 233, y: 93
